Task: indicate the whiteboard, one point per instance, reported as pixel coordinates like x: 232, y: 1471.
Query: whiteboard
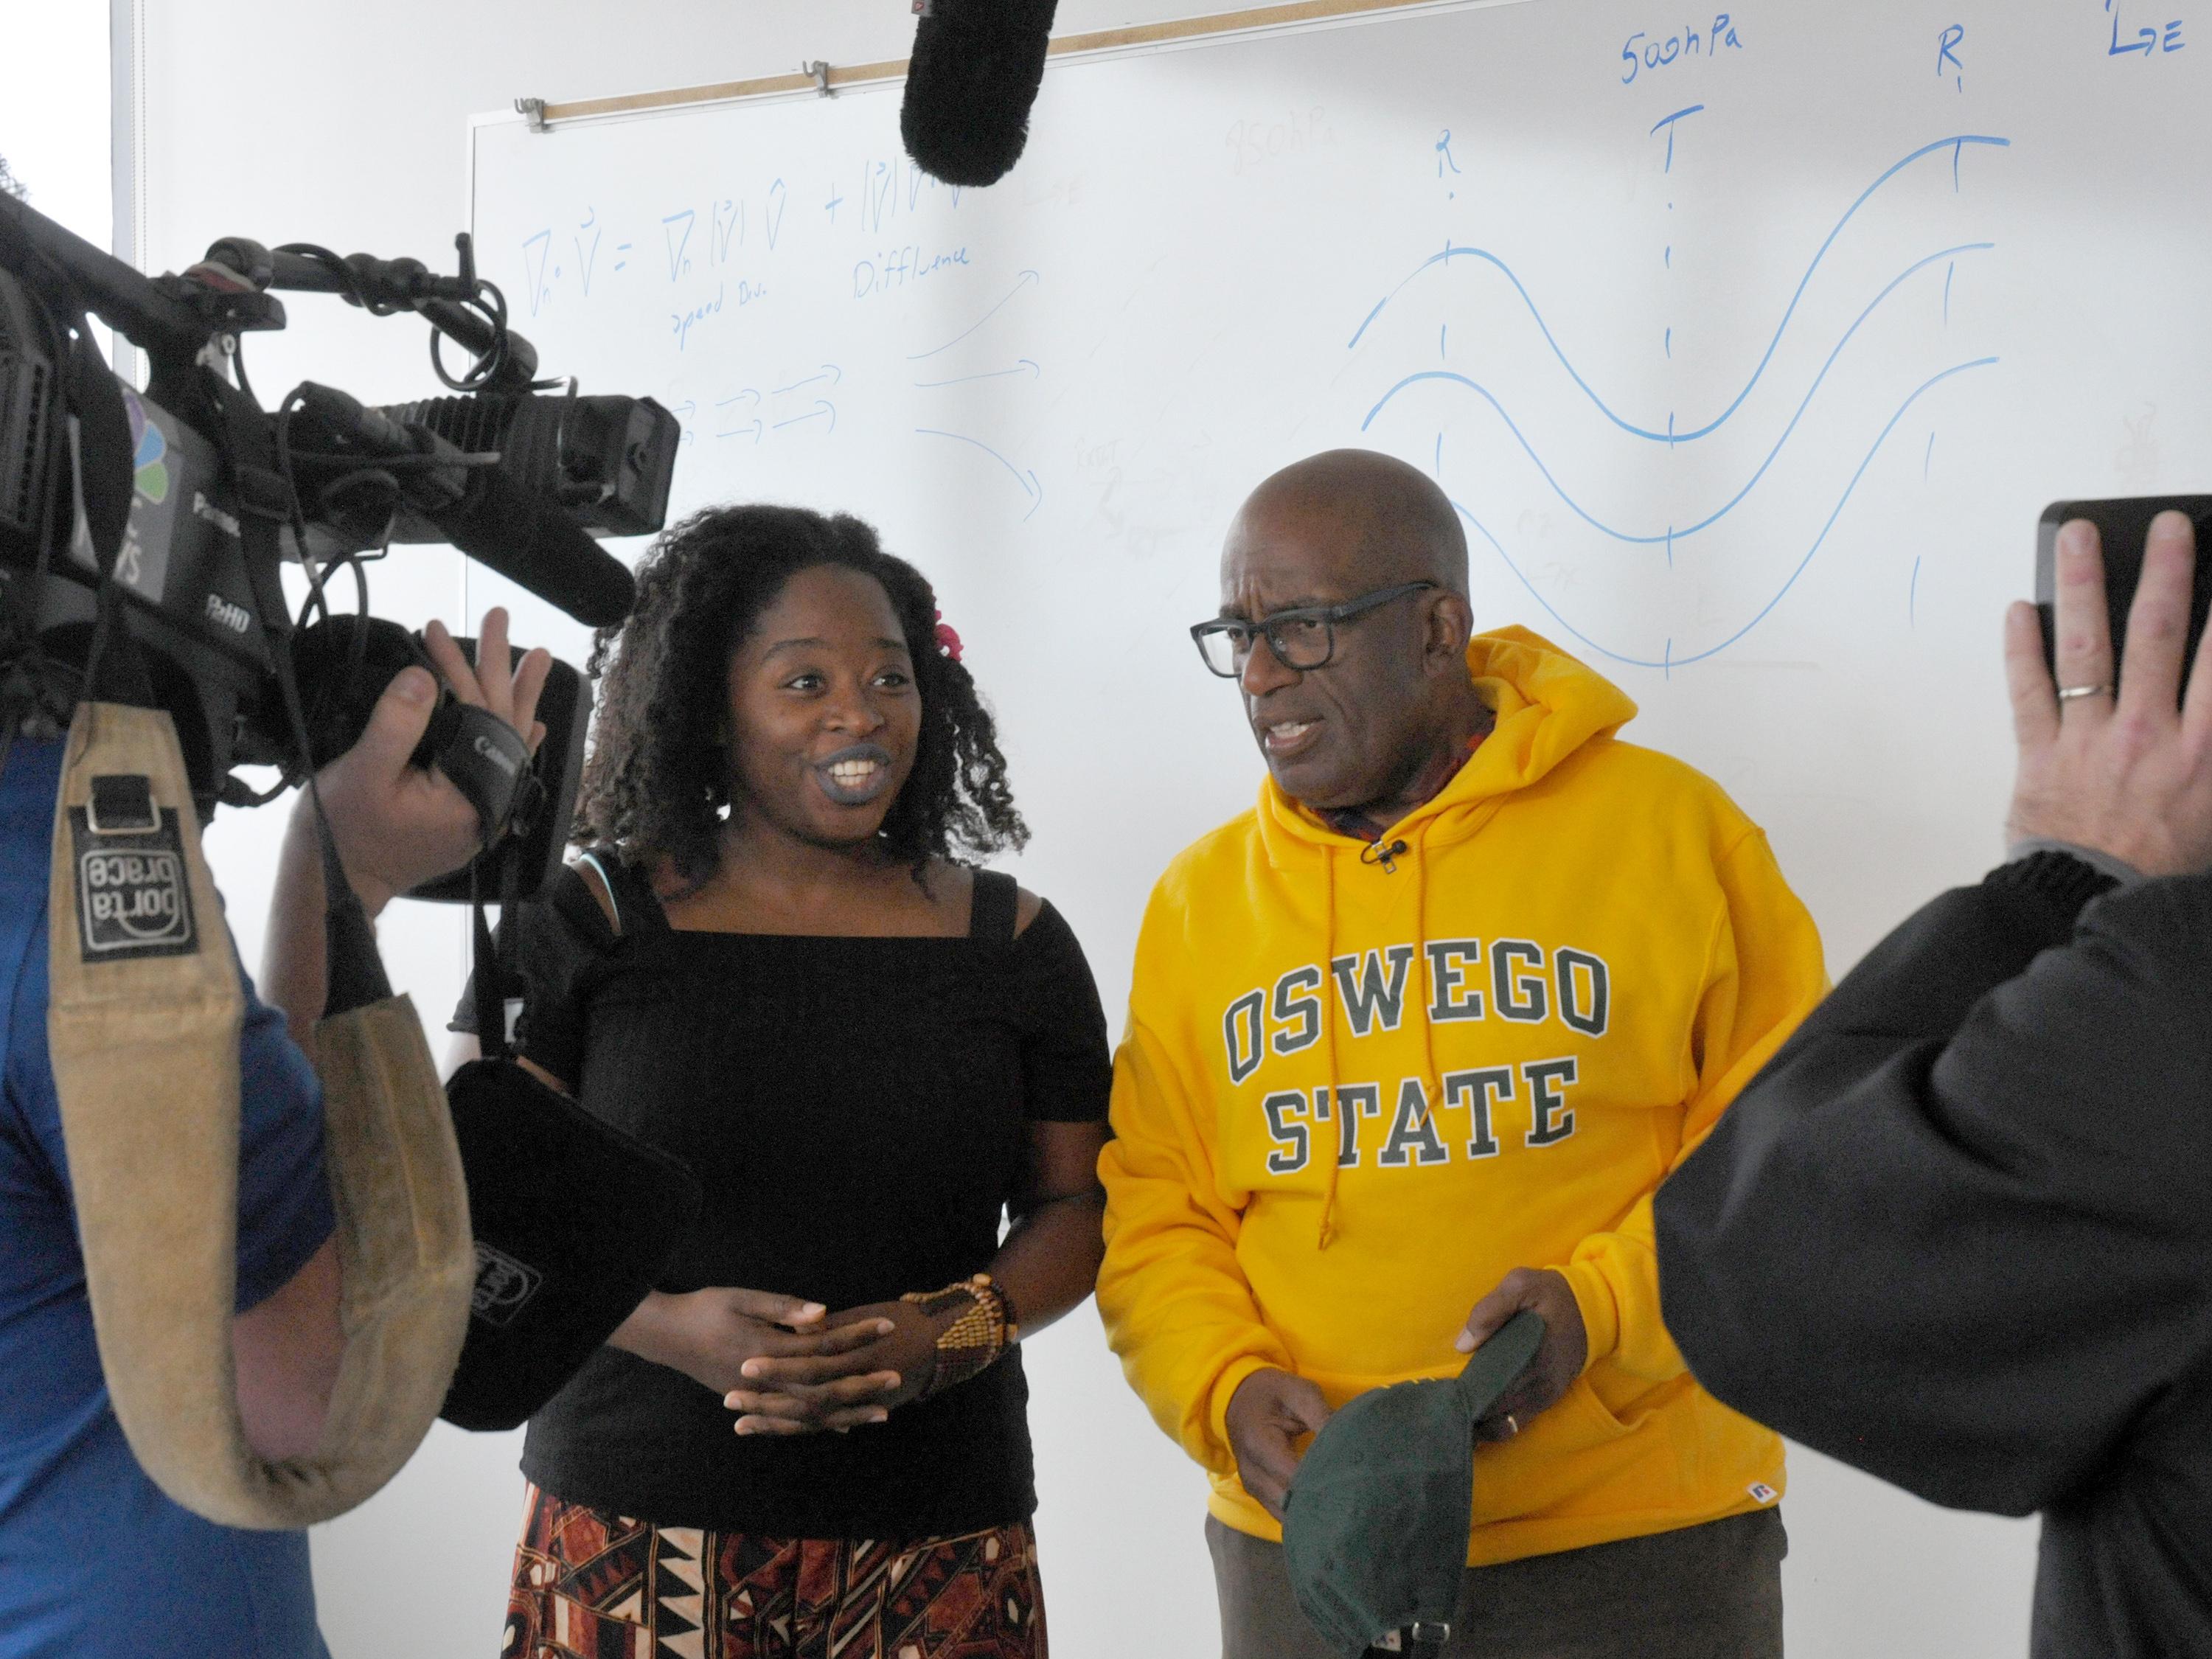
x: 1749, y: 349
x: 1749, y: 345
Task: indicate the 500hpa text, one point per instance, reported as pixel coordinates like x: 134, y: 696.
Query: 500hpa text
x: 1647, y: 52
x: 1514, y: 979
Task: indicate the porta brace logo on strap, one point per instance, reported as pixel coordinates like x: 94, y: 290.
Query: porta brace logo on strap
x: 133, y: 894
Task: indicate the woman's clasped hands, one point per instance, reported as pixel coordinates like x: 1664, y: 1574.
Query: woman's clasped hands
x: 787, y: 1365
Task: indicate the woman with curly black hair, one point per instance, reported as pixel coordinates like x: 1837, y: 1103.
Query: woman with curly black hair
x: 771, y: 962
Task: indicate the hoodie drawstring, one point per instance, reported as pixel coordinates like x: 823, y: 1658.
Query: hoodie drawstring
x: 1548, y: 706
x: 1433, y: 1085
x: 1334, y: 1155
x: 1431, y: 1081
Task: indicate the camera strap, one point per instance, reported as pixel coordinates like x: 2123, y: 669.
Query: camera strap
x: 489, y: 762
x: 142, y: 1024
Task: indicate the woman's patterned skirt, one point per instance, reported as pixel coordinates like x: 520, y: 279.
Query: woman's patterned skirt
x: 590, y: 1585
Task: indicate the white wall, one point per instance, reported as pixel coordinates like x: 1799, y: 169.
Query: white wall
x: 286, y: 121
x: 54, y: 113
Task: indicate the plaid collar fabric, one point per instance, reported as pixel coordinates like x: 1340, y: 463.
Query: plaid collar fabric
x: 1350, y: 821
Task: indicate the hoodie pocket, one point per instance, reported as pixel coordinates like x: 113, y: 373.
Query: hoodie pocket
x: 1575, y: 1458
x: 1597, y: 1423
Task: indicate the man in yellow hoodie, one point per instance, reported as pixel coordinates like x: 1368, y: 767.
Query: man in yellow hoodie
x: 1419, y: 1035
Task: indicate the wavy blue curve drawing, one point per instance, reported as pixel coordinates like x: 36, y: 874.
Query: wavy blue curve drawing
x: 1670, y: 661
x: 1028, y: 481
x: 1671, y: 535
x: 1956, y: 143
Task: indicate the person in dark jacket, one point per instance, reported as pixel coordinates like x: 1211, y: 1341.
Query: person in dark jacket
x: 1959, y: 1232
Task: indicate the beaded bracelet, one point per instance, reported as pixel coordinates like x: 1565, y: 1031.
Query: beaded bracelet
x: 974, y: 1341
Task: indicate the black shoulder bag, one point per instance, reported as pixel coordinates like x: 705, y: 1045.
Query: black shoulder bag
x: 550, y: 1287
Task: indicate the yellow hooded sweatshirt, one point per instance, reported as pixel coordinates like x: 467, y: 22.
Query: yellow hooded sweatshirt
x: 1355, y: 1093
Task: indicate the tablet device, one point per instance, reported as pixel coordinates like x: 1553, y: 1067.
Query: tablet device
x: 2122, y: 523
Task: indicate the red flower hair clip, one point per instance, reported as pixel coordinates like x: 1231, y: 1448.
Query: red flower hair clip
x: 947, y: 641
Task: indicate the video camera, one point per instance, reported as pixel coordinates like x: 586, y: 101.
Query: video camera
x: 167, y: 514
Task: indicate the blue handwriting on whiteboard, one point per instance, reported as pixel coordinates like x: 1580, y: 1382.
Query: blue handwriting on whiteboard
x: 886, y: 188
x: 2146, y: 39
x: 828, y: 372
x: 1947, y: 61
x: 585, y: 260
x: 773, y: 213
x: 1656, y: 52
x: 1028, y: 366
x: 535, y: 249
x: 677, y: 264
x: 1252, y: 142
x: 1668, y: 122
x: 740, y: 427
x: 681, y: 323
x: 901, y: 265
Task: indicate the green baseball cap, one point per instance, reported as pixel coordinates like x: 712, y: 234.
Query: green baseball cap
x: 1375, y: 1529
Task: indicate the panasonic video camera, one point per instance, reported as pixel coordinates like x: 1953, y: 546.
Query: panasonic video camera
x: 167, y: 514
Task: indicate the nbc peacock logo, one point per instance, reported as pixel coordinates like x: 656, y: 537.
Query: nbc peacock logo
x: 148, y: 451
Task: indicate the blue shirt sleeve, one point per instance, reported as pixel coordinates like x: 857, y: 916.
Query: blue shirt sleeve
x: 284, y: 1213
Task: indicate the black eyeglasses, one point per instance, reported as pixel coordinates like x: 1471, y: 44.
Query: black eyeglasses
x: 1302, y: 639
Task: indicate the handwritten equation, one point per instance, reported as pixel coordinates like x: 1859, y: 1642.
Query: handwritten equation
x: 720, y: 254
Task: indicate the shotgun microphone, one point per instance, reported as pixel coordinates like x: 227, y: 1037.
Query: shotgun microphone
x: 485, y: 514
x: 977, y: 67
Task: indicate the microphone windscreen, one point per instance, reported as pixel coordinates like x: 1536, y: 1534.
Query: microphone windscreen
x: 977, y: 67
x: 532, y: 541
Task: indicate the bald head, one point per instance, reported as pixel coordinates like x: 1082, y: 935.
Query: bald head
x: 1375, y: 544
x: 1392, y: 522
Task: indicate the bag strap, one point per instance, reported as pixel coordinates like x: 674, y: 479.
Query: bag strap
x: 613, y: 917
x: 494, y: 954
x: 637, y: 908
x: 991, y: 911
x: 577, y: 901
x: 569, y: 893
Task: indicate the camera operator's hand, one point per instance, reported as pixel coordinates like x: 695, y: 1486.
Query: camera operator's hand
x: 397, y: 826
x: 2116, y: 768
